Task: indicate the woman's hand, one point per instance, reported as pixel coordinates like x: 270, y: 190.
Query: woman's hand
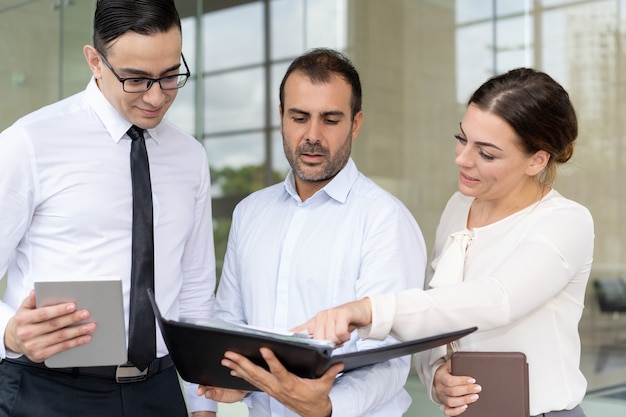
x: 454, y: 392
x: 337, y: 323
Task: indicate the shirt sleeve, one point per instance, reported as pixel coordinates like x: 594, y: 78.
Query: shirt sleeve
x: 195, y: 402
x: 17, y: 193
x: 198, y: 270
x: 394, y: 259
x: 229, y: 305
x: 198, y: 262
x: 357, y: 392
x: 515, y: 288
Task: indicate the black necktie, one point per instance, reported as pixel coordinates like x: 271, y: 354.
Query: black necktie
x: 142, y: 331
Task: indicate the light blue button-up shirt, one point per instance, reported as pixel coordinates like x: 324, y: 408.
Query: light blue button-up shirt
x: 288, y: 259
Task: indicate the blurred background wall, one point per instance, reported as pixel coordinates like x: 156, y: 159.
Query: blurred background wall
x: 419, y: 61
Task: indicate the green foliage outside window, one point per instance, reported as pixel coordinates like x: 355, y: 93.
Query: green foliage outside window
x: 232, y: 185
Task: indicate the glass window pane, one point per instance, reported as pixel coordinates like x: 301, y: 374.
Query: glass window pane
x: 236, y: 164
x: 286, y: 34
x: 279, y: 161
x: 278, y: 72
x: 505, y: 7
x: 189, y: 42
x: 474, y: 58
x: 472, y: 10
x: 553, y: 44
x: 551, y: 3
x: 234, y: 101
x: 228, y: 157
x: 183, y: 110
x: 233, y: 37
x: 514, y: 43
x: 326, y: 24
x: 299, y: 25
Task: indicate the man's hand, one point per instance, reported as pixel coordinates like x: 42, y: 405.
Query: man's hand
x: 454, y: 392
x: 221, y: 395
x: 336, y: 324
x: 307, y: 397
x: 40, y: 333
x: 204, y: 414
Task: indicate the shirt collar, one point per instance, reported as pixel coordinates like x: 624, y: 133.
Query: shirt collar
x: 337, y: 189
x: 114, y: 123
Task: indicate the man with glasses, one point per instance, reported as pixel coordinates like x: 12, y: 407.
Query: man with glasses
x: 141, y: 85
x: 74, y: 206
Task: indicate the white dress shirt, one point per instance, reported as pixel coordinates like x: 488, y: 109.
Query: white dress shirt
x: 520, y: 280
x: 287, y: 259
x: 66, y: 198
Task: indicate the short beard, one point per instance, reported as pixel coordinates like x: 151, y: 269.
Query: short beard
x: 331, y: 166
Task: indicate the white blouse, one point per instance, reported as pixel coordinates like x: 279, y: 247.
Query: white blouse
x: 520, y: 280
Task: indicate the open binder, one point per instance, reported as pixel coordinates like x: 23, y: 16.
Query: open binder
x: 197, y: 349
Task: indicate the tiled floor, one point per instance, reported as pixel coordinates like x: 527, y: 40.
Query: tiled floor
x: 603, y: 361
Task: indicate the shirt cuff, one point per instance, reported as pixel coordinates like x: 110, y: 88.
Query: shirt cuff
x: 196, y: 402
x: 6, y: 313
x: 339, y: 407
x: 383, y: 312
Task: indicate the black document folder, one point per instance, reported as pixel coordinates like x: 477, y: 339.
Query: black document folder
x: 198, y: 348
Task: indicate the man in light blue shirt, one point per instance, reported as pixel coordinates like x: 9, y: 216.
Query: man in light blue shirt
x: 326, y: 236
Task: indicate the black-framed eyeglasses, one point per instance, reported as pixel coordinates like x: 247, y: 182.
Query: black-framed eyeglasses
x: 140, y: 85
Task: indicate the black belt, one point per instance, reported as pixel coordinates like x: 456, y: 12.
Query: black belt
x: 121, y: 373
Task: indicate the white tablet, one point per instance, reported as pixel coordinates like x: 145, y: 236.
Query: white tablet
x: 102, y: 296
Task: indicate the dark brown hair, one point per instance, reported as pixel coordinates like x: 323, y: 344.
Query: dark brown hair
x: 320, y: 65
x: 113, y: 18
x: 537, y: 108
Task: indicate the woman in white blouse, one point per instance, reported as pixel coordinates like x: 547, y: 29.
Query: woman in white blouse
x: 511, y: 256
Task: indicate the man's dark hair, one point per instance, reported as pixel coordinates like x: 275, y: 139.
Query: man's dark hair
x: 113, y: 18
x: 319, y: 65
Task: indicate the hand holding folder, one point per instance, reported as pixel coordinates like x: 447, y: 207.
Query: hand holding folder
x: 197, y: 349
